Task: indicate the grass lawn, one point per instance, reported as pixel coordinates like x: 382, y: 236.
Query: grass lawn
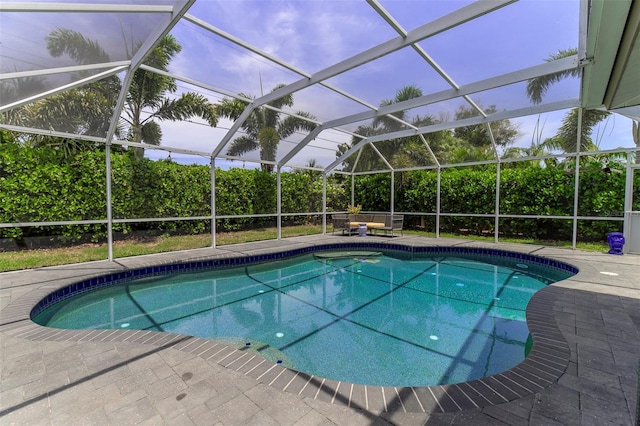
x: 28, y: 259
x: 587, y: 246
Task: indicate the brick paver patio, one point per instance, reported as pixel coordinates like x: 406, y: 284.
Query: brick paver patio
x: 587, y: 343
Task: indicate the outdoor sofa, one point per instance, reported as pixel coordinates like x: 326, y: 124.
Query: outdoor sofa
x: 350, y: 223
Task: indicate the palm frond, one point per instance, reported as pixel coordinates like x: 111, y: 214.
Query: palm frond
x: 74, y: 44
x: 286, y: 100
x: 162, y: 54
x: 294, y: 123
x: 20, y: 88
x: 230, y: 108
x: 186, y: 106
x: 567, y: 136
x: 147, y: 89
x: 537, y: 87
x: 241, y: 145
x: 151, y: 133
x: 74, y: 111
x: 403, y: 94
x: 410, y: 91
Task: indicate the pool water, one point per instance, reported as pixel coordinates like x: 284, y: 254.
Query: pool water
x: 367, y: 318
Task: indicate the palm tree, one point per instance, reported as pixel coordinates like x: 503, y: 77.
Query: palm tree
x: 88, y: 110
x: 85, y: 111
x: 504, y: 131
x: 81, y: 111
x: 536, y: 149
x: 537, y: 87
x: 404, y: 94
x: 265, y: 127
x: 147, y: 97
x: 312, y: 164
x: 567, y: 135
x: 368, y: 158
x: 402, y: 152
x: 17, y: 88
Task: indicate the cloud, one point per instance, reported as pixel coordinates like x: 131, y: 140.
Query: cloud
x: 313, y: 35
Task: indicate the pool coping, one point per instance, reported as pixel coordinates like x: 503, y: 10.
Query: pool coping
x: 545, y: 364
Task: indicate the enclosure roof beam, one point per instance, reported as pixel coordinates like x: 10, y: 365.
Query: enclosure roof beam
x: 346, y: 155
x: 62, y: 70
x: 82, y: 7
x: 195, y: 83
x: 178, y: 10
x: 501, y: 115
x: 458, y: 17
x: 381, y: 156
x: 355, y: 163
x: 433, y: 155
x: 478, y: 86
x: 420, y: 51
x: 437, y: 26
x: 161, y: 148
x: 43, y: 132
x: 233, y: 129
x: 304, y: 142
x: 60, y: 89
x: 217, y: 31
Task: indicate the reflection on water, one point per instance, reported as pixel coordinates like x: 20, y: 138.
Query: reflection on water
x: 362, y: 319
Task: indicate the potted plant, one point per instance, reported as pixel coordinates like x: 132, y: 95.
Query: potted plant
x: 354, y: 209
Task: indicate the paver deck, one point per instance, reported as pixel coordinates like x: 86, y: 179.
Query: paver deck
x: 583, y: 368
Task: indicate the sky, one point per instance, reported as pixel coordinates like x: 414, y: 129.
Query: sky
x: 312, y: 35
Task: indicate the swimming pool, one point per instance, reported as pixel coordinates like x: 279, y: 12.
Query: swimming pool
x: 390, y: 319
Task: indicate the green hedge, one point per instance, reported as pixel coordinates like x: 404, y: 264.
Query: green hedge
x: 523, y: 191
x: 38, y: 185
x: 45, y: 185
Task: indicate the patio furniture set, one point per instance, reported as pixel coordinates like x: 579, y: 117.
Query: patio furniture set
x: 362, y: 223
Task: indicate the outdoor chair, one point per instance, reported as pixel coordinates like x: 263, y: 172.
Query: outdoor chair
x: 342, y: 223
x: 392, y: 223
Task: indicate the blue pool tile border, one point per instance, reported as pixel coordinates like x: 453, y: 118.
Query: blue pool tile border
x: 106, y: 280
x: 547, y: 361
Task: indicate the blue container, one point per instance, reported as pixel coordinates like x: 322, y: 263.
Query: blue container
x: 616, y: 242
x: 362, y: 230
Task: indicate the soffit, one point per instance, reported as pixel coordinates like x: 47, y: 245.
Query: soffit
x: 612, y: 66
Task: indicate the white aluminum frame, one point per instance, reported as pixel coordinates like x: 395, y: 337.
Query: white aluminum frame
x: 405, y: 39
